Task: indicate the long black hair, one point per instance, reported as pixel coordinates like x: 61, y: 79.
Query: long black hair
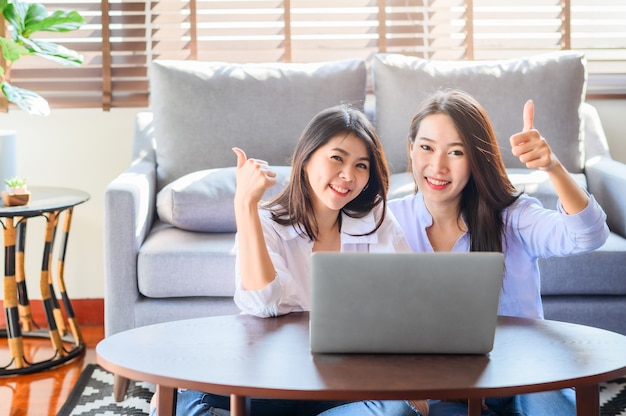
x: 293, y: 206
x: 489, y: 190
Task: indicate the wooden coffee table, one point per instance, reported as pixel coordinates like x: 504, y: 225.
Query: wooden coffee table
x: 243, y: 356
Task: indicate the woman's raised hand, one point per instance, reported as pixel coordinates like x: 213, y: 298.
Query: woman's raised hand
x: 254, y: 176
x: 529, y: 146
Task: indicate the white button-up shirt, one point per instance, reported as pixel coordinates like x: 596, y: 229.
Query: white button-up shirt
x: 290, y: 251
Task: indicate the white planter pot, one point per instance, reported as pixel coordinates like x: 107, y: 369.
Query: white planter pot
x: 8, y: 155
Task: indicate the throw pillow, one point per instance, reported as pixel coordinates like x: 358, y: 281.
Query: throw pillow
x: 203, y: 200
x: 203, y: 109
x: 556, y: 82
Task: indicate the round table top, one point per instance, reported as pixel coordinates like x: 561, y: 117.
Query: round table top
x: 45, y: 199
x: 270, y: 357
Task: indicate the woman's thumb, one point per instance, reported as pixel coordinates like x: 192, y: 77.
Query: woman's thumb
x: 241, y: 156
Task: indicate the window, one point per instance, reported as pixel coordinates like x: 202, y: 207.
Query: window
x: 121, y: 37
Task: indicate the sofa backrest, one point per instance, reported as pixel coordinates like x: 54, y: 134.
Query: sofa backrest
x: 203, y: 109
x: 556, y: 82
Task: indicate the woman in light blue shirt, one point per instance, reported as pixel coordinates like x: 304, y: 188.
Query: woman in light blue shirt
x: 465, y: 202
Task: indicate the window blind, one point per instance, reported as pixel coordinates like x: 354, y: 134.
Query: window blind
x: 121, y: 38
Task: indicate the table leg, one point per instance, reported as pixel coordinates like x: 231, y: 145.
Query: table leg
x: 587, y: 400
x: 71, y: 317
x: 14, y: 333
x: 166, y: 400
x: 26, y: 317
x: 120, y: 387
x: 474, y: 406
x: 52, y: 312
x: 239, y: 405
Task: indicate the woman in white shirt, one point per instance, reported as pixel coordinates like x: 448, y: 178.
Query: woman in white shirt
x: 335, y: 201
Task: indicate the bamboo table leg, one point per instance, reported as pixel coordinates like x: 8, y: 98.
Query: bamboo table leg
x: 52, y: 311
x: 71, y: 317
x: 26, y: 317
x: 14, y: 333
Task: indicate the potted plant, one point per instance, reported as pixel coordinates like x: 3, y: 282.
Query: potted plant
x: 18, y: 22
x: 16, y: 193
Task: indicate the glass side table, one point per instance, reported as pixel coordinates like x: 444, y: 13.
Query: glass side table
x: 53, y: 204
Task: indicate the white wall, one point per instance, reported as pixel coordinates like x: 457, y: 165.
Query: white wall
x: 82, y: 149
x: 86, y: 149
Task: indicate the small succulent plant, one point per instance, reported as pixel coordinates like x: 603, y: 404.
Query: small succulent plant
x: 16, y: 185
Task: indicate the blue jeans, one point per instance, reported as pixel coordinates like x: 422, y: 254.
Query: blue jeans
x: 549, y: 403
x: 373, y: 408
x: 196, y: 403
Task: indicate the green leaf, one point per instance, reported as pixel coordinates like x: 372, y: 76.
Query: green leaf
x: 28, y: 101
x: 15, y: 13
x: 11, y: 50
x: 53, y: 52
x: 59, y: 21
x: 15, y: 182
x: 26, y: 18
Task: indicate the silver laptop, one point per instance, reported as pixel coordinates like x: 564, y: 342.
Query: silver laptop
x: 440, y: 303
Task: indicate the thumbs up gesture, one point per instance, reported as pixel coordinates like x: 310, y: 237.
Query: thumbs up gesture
x: 254, y: 176
x: 529, y: 146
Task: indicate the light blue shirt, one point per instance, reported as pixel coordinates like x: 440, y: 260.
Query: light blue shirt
x: 531, y: 232
x: 290, y: 250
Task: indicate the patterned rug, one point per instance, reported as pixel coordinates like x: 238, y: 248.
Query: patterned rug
x: 93, y: 396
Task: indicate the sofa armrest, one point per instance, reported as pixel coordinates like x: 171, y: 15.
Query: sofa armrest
x: 129, y: 212
x: 606, y: 180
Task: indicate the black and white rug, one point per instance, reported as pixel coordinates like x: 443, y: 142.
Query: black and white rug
x: 93, y: 396
x: 613, y: 397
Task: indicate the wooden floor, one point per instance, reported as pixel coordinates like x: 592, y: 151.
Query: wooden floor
x: 43, y: 393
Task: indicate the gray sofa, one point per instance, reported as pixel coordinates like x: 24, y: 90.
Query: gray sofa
x: 169, y: 225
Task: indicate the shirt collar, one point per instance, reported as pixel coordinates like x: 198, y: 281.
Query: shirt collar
x: 424, y: 216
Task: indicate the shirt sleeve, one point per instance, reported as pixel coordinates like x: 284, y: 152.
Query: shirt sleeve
x: 279, y: 297
x: 546, y: 233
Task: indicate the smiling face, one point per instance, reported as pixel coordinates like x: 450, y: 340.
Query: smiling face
x: 439, y: 161
x: 337, y: 172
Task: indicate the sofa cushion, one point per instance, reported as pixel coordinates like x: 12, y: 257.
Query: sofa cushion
x: 584, y: 276
x: 556, y: 82
x: 174, y: 263
x: 203, y: 109
x: 203, y: 200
